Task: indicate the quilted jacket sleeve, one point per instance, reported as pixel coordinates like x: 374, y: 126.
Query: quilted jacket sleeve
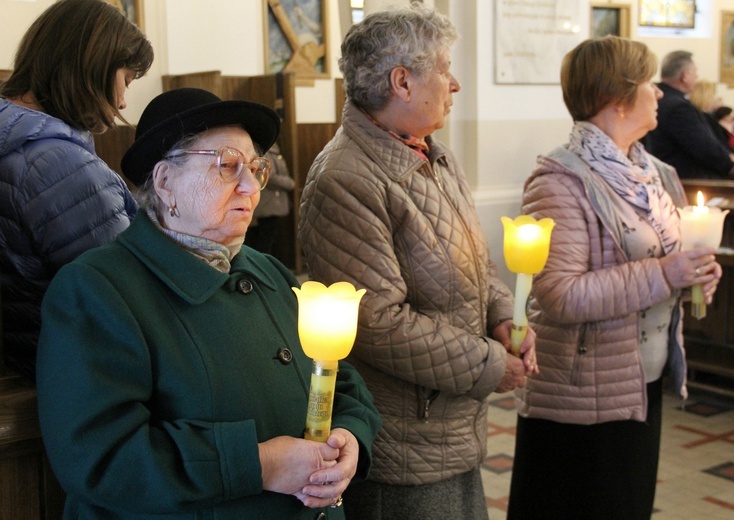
x: 574, y: 286
x: 71, y: 201
x: 347, y: 230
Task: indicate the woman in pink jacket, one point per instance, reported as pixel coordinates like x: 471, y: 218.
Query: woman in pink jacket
x: 606, y: 308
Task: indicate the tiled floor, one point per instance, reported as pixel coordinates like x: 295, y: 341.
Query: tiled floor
x: 696, y: 472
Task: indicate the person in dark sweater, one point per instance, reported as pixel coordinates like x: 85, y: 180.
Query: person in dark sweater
x: 683, y: 137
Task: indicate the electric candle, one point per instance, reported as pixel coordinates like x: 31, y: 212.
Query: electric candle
x: 526, y: 249
x: 701, y: 226
x: 327, y: 328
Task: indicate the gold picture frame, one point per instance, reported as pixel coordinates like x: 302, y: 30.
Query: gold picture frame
x: 726, y: 69
x: 132, y: 9
x: 296, y: 37
x: 609, y: 19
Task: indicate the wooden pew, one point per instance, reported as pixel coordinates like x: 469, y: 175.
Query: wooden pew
x: 28, y: 488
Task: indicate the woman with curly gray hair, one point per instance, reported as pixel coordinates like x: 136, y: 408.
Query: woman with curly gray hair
x: 387, y: 207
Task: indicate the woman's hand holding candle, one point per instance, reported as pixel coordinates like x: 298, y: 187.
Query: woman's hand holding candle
x: 503, y: 332
x: 329, y: 483
x: 693, y: 267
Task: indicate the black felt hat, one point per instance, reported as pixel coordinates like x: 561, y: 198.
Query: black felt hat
x: 178, y: 113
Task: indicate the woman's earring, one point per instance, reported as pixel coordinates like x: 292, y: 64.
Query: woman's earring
x: 173, y: 210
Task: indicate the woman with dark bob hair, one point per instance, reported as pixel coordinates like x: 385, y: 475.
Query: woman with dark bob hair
x: 184, y: 388
x: 607, y: 307
x: 69, y: 78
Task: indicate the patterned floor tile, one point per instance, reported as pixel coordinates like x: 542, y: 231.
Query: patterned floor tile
x: 498, y: 464
x: 706, y: 409
x: 696, y: 475
x: 725, y: 470
x: 506, y: 403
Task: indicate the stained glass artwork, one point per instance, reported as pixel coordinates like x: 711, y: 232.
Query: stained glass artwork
x: 668, y: 13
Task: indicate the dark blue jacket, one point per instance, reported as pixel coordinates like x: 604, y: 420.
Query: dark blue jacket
x: 57, y: 200
x: 684, y: 139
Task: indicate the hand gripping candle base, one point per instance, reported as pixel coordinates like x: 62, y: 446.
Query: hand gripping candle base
x: 700, y: 226
x: 327, y: 328
x: 526, y: 248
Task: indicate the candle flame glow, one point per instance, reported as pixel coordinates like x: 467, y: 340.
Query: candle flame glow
x: 699, y: 199
x: 529, y: 233
x: 526, y: 243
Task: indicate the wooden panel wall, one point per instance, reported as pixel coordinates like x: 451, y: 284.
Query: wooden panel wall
x: 112, y: 145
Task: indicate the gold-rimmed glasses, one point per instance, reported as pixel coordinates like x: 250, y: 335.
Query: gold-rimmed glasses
x: 231, y: 164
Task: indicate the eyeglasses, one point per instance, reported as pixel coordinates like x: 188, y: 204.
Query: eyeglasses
x: 231, y: 164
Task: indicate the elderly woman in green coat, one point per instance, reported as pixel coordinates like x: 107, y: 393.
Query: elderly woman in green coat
x: 171, y: 381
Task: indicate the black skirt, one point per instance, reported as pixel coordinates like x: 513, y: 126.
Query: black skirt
x: 604, y: 471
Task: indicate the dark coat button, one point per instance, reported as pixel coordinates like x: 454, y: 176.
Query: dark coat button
x: 321, y: 516
x: 245, y: 286
x: 285, y: 356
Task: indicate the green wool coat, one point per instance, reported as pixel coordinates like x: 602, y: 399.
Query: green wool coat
x: 158, y: 375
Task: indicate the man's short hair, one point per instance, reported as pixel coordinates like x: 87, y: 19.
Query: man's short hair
x: 674, y: 63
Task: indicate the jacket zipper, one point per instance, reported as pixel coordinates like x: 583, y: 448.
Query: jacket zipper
x: 483, y: 304
x: 425, y: 404
x: 580, y: 352
x: 475, y: 256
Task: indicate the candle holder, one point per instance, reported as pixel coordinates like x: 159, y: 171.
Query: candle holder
x: 701, y: 226
x: 526, y: 249
x: 327, y: 328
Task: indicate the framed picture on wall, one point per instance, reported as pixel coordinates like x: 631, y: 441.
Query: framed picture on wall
x: 610, y: 19
x: 680, y: 14
x: 549, y: 30
x: 133, y: 10
x: 726, y: 69
x: 296, y: 33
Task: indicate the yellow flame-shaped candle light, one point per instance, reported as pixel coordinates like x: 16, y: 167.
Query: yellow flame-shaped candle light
x: 327, y: 328
x: 700, y: 226
x: 526, y: 248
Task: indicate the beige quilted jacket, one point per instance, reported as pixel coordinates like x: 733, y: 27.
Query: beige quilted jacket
x: 587, y: 300
x: 375, y: 214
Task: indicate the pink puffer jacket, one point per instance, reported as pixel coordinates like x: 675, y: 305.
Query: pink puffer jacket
x: 586, y: 302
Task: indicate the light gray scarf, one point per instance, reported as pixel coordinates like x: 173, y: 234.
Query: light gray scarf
x: 634, y: 178
x: 214, y: 254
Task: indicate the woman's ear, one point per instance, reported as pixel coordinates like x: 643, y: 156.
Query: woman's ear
x: 163, y: 180
x: 400, y: 81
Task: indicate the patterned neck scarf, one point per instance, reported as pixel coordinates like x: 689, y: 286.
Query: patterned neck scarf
x: 417, y: 144
x: 214, y: 254
x: 634, y: 178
